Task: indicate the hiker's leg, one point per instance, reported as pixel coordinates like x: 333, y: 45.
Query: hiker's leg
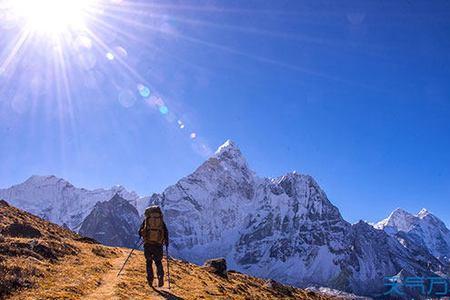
x: 149, y: 261
x: 158, y: 255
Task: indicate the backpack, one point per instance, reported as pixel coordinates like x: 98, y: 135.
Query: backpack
x: 153, y: 231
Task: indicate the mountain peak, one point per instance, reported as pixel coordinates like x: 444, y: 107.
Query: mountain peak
x: 116, y: 198
x: 229, y: 153
x: 398, y: 220
x: 400, y: 212
x: 114, y: 222
x: 423, y: 213
x: 426, y: 216
x: 45, y: 179
x: 229, y: 145
x: 35, y: 178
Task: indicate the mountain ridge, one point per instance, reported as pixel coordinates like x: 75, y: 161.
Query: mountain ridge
x: 57, y: 200
x: 423, y: 229
x: 284, y: 228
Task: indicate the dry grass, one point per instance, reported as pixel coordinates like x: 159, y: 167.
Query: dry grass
x: 57, y: 264
x: 71, y: 278
x: 10, y: 215
x: 52, y: 264
x: 189, y: 281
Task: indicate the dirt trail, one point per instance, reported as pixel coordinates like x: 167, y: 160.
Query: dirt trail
x: 107, y: 289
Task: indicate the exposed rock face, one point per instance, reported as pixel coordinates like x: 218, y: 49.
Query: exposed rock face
x: 294, y: 222
x: 283, y: 228
x: 114, y: 222
x: 422, y: 231
x: 375, y: 255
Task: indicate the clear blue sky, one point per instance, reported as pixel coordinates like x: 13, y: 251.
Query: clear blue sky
x: 354, y: 93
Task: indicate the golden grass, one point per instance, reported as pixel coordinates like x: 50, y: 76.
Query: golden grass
x: 52, y: 265
x: 77, y: 277
x: 59, y: 265
x: 72, y: 277
x: 189, y: 281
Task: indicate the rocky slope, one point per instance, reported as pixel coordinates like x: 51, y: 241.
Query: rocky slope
x: 114, y: 223
x: 40, y: 260
x: 422, y: 230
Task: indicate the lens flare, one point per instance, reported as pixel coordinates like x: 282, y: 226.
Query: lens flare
x: 127, y: 98
x: 83, y: 42
x: 121, y: 51
x: 110, y: 56
x: 163, y: 109
x: 71, y: 49
x: 143, y: 90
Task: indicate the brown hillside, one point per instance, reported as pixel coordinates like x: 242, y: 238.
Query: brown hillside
x: 40, y: 260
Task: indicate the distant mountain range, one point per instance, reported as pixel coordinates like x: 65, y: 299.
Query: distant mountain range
x: 283, y: 228
x: 423, y: 229
x: 58, y: 201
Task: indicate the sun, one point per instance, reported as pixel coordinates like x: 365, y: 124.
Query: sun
x: 52, y: 16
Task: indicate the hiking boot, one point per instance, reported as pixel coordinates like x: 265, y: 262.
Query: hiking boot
x: 150, y: 282
x: 160, y: 281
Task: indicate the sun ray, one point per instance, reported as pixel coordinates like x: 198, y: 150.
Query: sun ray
x: 18, y: 45
x: 237, y: 52
x: 80, y: 51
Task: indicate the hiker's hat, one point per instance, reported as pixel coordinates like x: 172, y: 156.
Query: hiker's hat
x: 152, y: 209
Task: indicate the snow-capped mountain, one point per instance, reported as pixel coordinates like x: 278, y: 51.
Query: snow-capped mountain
x: 58, y: 201
x: 283, y: 228
x: 421, y: 230
x: 114, y: 222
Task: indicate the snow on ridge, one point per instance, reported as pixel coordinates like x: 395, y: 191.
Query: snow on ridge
x: 423, y: 228
x: 423, y: 213
x: 325, y: 291
x: 403, y: 220
x: 398, y: 220
x: 229, y: 144
x: 230, y: 155
x: 285, y: 227
x: 57, y: 200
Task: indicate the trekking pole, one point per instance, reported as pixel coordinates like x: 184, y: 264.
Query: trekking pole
x: 137, y: 245
x: 168, y: 269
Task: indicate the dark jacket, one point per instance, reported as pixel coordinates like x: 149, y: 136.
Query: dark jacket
x: 166, y: 232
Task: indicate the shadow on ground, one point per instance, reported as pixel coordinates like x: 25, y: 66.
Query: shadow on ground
x: 167, y: 295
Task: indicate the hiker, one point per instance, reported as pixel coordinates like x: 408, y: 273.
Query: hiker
x: 155, y: 234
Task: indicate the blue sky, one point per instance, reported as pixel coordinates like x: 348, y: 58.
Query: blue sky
x: 354, y: 93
